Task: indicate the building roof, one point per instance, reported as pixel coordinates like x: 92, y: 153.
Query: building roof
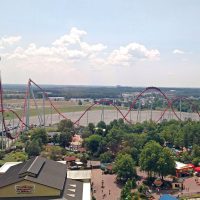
x: 93, y: 163
x: 167, y: 197
x: 7, y: 165
x: 70, y: 158
x: 39, y: 170
x: 180, y: 165
x: 79, y: 174
x: 86, y: 191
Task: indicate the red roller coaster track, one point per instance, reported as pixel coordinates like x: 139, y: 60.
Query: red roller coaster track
x: 124, y: 116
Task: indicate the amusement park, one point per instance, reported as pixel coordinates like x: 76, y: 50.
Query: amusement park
x: 108, y: 145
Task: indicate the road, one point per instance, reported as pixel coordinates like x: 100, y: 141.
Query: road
x: 109, y: 115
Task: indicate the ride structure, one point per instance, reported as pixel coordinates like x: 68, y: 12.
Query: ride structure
x: 15, y: 121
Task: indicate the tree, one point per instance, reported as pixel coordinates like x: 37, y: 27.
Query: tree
x: 93, y: 143
x: 124, y: 167
x: 2, y: 144
x: 65, y: 139
x: 106, y: 157
x: 114, y: 139
x: 2, y: 154
x: 154, y: 158
x: 166, y: 162
x: 149, y: 157
x: 15, y: 157
x: 80, y: 102
x: 40, y: 134
x: 65, y: 124
x: 33, y: 148
x: 55, y: 139
x: 91, y: 128
x: 101, y: 125
x: 56, y: 153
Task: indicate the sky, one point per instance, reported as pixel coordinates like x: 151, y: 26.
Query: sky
x: 101, y: 42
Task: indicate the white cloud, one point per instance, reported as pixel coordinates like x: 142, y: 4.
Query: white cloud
x: 7, y: 41
x: 73, y: 37
x: 178, y: 51
x: 132, y: 52
x: 71, y: 56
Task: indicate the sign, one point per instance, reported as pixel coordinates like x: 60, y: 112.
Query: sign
x: 24, y: 189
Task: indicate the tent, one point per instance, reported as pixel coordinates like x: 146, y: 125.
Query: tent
x: 167, y: 197
x: 197, y: 169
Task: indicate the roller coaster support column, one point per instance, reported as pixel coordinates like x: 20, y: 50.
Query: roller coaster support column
x: 44, y: 109
x: 151, y: 111
x: 180, y: 108
x: 28, y: 107
x: 102, y: 113
x: 2, y: 133
x: 139, y: 112
x: 51, y: 114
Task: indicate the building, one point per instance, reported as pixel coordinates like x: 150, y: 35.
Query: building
x: 41, y: 179
x: 183, y: 169
x: 6, y: 166
x: 57, y: 98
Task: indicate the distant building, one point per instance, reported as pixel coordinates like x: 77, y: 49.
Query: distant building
x: 41, y: 179
x: 57, y: 98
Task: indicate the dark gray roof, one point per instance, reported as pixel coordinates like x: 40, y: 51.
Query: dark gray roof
x: 39, y: 170
x: 33, y: 166
x: 73, y: 190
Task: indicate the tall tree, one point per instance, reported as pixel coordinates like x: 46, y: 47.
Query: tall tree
x: 40, y: 134
x: 93, y: 143
x: 33, y: 148
x: 124, y: 167
x: 65, y: 124
x: 65, y: 139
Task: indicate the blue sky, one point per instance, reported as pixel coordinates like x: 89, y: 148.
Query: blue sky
x: 90, y: 42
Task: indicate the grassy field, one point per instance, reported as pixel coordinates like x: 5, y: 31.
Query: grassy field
x: 62, y: 106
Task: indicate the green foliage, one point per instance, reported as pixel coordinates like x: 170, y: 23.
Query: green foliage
x: 106, y: 157
x: 126, y: 190
x: 2, y: 143
x: 33, y: 148
x: 15, y: 157
x: 65, y: 124
x: 101, y: 125
x: 114, y: 139
x: 40, y: 135
x: 24, y: 137
x: 91, y: 128
x: 93, y: 143
x: 196, y: 161
x: 124, y: 167
x: 2, y: 154
x: 154, y: 158
x: 80, y: 103
x: 56, y: 153
x: 185, y: 157
x: 65, y: 139
x: 55, y: 139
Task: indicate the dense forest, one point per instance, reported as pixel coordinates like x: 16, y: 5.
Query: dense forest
x: 94, y: 91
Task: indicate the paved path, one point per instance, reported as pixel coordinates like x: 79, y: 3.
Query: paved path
x: 110, y: 191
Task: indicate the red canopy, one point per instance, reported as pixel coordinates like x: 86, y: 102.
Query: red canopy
x: 197, y: 169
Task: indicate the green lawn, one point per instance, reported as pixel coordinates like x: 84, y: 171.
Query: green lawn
x: 75, y: 108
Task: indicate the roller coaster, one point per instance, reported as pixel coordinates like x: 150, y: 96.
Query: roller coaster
x: 13, y: 122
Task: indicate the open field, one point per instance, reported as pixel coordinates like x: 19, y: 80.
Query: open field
x: 73, y: 111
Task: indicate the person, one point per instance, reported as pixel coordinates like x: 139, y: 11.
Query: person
x: 109, y: 192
